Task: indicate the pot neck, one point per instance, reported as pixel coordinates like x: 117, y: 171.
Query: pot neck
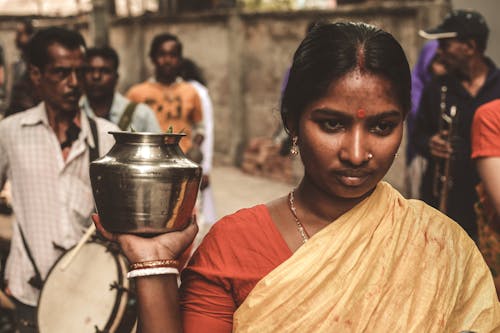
x: 147, y: 138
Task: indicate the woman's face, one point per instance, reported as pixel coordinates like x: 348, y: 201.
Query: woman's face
x: 349, y: 137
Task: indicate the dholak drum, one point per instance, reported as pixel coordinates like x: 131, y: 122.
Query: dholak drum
x: 88, y: 294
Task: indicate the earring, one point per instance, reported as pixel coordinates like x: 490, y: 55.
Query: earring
x: 396, y: 155
x: 294, y: 150
x: 370, y: 156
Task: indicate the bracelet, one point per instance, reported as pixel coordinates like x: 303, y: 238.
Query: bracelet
x: 155, y: 263
x: 152, y: 271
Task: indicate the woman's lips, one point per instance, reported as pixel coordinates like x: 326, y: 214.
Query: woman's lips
x: 352, y: 178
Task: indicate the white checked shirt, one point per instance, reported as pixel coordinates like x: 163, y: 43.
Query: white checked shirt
x: 51, y: 197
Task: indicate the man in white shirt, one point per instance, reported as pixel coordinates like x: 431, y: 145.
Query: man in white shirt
x: 100, y: 79
x: 45, y: 153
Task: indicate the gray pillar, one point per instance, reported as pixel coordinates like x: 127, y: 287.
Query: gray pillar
x: 99, y: 23
x: 238, y: 132
x: 167, y: 7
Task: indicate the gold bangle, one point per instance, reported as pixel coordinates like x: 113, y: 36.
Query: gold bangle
x: 155, y: 263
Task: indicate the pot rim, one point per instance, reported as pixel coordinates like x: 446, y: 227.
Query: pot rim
x: 147, y: 133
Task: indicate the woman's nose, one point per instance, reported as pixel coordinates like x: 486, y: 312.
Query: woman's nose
x: 355, y: 148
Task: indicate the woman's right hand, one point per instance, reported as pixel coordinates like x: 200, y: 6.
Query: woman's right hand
x: 165, y: 246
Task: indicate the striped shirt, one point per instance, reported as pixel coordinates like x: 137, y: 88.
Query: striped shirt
x: 51, y: 197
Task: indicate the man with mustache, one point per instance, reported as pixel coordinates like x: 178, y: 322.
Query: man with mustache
x: 175, y: 102
x: 45, y: 153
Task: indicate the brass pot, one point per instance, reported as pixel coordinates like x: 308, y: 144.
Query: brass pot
x: 145, y: 184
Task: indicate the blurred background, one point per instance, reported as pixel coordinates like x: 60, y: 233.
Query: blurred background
x: 244, y: 48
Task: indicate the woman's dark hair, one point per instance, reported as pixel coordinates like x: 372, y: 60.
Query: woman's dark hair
x: 159, y: 40
x: 38, y: 46
x: 330, y: 51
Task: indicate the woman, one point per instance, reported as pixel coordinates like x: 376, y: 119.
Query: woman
x: 486, y: 154
x: 343, y: 252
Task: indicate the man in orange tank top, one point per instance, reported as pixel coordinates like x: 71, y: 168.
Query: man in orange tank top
x: 175, y: 102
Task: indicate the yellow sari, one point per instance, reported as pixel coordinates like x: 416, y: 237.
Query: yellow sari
x: 387, y: 265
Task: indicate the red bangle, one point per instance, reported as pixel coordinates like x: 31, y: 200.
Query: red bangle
x: 155, y: 263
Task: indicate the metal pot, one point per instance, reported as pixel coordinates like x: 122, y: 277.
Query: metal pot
x: 145, y: 184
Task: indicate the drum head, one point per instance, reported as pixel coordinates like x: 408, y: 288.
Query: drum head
x: 79, y: 297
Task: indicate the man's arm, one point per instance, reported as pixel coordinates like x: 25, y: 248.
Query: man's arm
x: 198, y: 127
x: 4, y: 161
x: 488, y: 171
x: 428, y: 141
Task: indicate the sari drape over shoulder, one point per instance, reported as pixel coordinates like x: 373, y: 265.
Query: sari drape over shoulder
x: 387, y: 265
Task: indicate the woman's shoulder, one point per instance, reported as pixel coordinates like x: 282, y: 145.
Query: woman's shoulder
x: 488, y: 109
x: 241, y: 224
x: 487, y: 117
x: 435, y: 225
x: 247, y: 232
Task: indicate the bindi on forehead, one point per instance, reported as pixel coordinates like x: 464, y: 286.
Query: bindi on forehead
x: 360, y: 114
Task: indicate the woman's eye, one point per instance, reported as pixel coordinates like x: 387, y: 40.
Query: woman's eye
x: 383, y: 128
x: 331, y: 125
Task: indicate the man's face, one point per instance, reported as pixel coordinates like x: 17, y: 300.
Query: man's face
x: 100, y: 78
x: 60, y: 81
x: 453, y: 54
x: 167, y: 60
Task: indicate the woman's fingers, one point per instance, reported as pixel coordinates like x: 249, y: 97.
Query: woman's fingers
x: 106, y: 234
x: 178, y: 241
x: 188, y: 235
x: 165, y: 246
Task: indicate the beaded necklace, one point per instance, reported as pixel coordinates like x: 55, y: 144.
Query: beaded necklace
x: 302, y: 231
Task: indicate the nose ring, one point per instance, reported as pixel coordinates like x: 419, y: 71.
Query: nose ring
x: 370, y: 156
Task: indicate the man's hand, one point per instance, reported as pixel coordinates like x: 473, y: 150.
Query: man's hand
x: 439, y: 146
x: 205, y: 181
x: 198, y: 139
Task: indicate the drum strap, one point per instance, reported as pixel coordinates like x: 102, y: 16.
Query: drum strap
x: 36, y: 280
x: 126, y: 117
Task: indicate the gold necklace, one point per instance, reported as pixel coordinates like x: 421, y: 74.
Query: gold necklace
x: 302, y: 231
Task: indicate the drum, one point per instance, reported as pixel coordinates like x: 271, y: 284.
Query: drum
x: 88, y: 293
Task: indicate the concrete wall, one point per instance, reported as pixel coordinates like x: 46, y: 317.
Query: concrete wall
x: 245, y: 55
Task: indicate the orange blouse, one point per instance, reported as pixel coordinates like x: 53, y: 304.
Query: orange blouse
x: 486, y: 130
x: 238, y: 252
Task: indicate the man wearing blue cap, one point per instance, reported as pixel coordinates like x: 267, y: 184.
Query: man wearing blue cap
x: 444, y: 118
